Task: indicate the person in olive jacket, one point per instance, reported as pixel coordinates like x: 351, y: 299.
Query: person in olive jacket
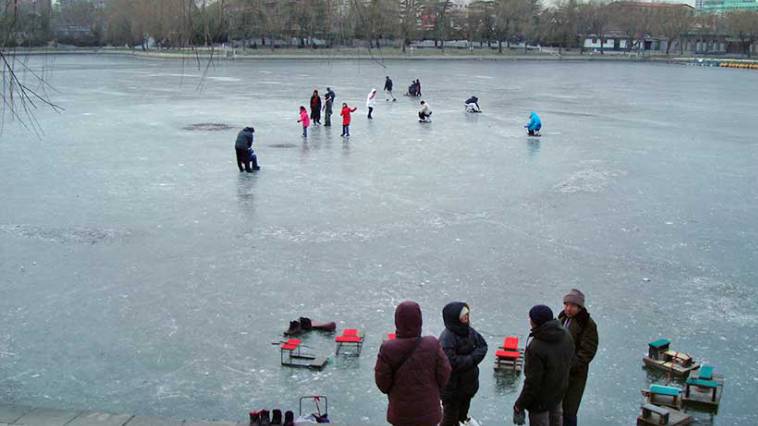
x: 583, y: 329
x: 411, y: 370
x: 547, y: 360
x: 465, y: 349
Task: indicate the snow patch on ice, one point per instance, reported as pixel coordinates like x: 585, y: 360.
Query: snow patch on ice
x: 64, y: 235
x: 727, y: 301
x: 594, y: 178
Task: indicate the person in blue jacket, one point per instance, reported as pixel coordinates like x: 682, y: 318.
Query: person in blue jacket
x: 534, y: 125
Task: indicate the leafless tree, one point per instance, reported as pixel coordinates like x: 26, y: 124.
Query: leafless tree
x: 25, y: 89
x: 743, y: 25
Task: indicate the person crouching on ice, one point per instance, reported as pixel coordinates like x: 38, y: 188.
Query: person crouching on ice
x: 472, y: 104
x: 425, y: 112
x: 534, y: 125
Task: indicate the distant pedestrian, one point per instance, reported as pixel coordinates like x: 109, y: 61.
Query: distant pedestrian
x: 388, y: 89
x: 242, y: 145
x: 465, y: 349
x: 411, y: 370
x: 583, y: 329
x: 547, y: 360
x: 328, y: 103
x: 316, y: 108
x: 371, y: 102
x: 304, y: 120
x: 345, y: 113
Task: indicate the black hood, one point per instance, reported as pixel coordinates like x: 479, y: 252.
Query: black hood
x: 451, y: 315
x: 551, y: 331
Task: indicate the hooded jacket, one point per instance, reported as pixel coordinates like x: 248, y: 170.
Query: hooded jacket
x: 465, y: 349
x: 547, y: 361
x: 371, y: 99
x: 413, y: 386
x: 388, y: 85
x: 534, y: 122
x: 244, y: 139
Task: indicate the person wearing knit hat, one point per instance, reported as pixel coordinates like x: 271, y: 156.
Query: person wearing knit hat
x: 583, y: 329
x: 547, y: 360
x: 465, y: 349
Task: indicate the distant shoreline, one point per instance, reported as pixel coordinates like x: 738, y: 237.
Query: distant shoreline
x: 229, y: 54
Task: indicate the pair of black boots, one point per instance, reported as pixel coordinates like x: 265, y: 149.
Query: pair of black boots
x: 264, y: 418
x: 254, y: 160
x: 298, y: 326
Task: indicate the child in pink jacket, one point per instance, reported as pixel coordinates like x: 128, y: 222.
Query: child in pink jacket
x: 305, y: 120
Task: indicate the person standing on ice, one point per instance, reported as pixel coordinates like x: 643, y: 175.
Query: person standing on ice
x: 388, y: 89
x: 304, y: 120
x: 316, y: 108
x: 547, y: 360
x: 328, y: 104
x: 411, y: 370
x: 345, y: 113
x: 534, y: 125
x: 583, y: 329
x: 371, y: 102
x: 465, y: 349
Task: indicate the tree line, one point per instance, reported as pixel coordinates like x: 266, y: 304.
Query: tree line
x: 375, y: 23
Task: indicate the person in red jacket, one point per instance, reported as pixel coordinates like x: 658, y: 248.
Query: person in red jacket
x: 412, y: 370
x: 345, y: 113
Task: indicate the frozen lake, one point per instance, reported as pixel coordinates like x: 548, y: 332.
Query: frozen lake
x: 141, y: 272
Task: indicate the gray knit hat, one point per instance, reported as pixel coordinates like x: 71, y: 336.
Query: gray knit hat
x: 574, y: 296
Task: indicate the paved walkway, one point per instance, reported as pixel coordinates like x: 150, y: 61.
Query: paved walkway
x: 30, y: 416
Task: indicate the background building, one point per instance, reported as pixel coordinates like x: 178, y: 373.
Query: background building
x: 726, y: 5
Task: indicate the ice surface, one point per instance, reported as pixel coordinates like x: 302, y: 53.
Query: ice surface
x: 142, y: 273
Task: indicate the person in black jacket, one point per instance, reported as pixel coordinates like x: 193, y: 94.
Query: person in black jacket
x: 328, y: 104
x: 547, y: 361
x: 465, y: 349
x: 241, y: 146
x: 388, y: 89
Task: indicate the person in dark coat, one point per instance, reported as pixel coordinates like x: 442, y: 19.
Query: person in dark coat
x: 583, y: 329
x: 328, y: 104
x: 316, y: 108
x: 465, y: 349
x: 547, y: 361
x: 411, y: 370
x: 241, y: 146
x: 388, y: 89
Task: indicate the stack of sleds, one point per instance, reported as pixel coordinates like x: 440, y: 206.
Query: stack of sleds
x: 667, y: 404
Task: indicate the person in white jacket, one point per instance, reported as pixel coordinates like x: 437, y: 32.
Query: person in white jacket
x: 371, y: 102
x: 425, y: 112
